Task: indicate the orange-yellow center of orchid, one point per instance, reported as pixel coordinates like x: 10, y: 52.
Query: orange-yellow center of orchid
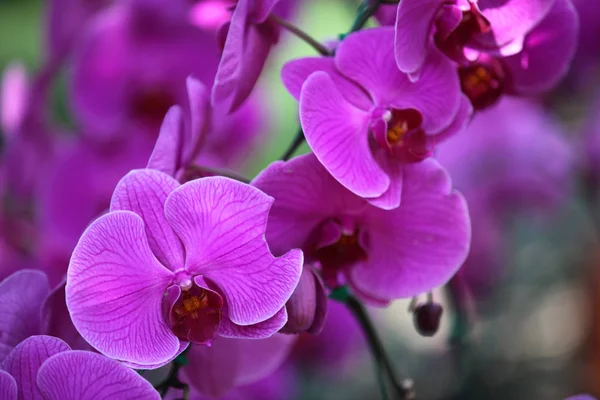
x: 189, y: 305
x: 396, y: 132
x: 482, y: 84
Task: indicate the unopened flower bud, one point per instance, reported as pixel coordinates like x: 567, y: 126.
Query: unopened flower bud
x: 307, y: 308
x: 427, y: 318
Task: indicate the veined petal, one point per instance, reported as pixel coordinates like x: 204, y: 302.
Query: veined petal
x: 260, y: 330
x: 21, y: 298
x: 221, y: 223
x: 429, y: 234
x: 8, y: 386
x: 144, y: 191
x: 76, y: 375
x: 25, y: 360
x: 338, y: 133
x: 114, y: 291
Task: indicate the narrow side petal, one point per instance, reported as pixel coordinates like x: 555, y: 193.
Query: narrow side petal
x: 167, y: 152
x: 547, y: 51
x: 199, y: 103
x: 221, y: 223
x: 21, y: 298
x: 144, y: 191
x: 429, y: 235
x: 56, y: 320
x: 260, y: 330
x: 413, y: 29
x: 8, y: 386
x: 338, y: 133
x: 113, y: 276
x: 76, y: 375
x: 25, y: 360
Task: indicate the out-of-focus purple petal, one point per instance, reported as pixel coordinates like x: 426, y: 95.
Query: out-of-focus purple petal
x: 429, y: 232
x: 413, y: 29
x: 21, y: 298
x: 221, y: 223
x: 144, y: 192
x: 168, y: 148
x: 338, y: 134
x: 26, y: 359
x: 307, y: 308
x: 298, y: 187
x: 233, y: 362
x: 114, y: 291
x: 547, y: 51
x: 198, y: 102
x: 8, y: 386
x: 14, y: 95
x: 76, y: 375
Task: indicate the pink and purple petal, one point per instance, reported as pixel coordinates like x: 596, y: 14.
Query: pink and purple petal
x: 26, y: 359
x: 144, y: 192
x: 113, y: 276
x: 166, y: 156
x: 338, y: 134
x: 8, y: 386
x: 221, y: 223
x: 260, y: 330
x: 76, y: 375
x: 429, y: 232
x: 21, y: 298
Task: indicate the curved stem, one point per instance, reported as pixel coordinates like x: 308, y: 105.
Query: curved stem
x: 298, y: 140
x: 402, y: 391
x: 318, y: 46
x: 366, y: 11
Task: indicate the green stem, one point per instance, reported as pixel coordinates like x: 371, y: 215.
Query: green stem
x: 318, y: 46
x: 298, y: 140
x: 366, y: 11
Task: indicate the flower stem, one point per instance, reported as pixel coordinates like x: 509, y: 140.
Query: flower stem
x: 401, y: 391
x: 366, y: 11
x: 318, y: 46
x: 298, y: 140
x: 172, y: 380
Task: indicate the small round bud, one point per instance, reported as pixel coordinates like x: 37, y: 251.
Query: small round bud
x: 426, y: 318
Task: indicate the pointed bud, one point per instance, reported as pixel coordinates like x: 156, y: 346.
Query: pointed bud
x: 307, y: 308
x: 426, y: 318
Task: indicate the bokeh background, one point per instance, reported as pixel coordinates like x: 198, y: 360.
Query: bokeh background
x: 534, y: 333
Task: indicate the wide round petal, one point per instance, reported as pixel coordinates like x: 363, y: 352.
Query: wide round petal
x: 144, y: 192
x: 21, y: 298
x: 366, y: 57
x: 299, y: 187
x: 76, y: 375
x: 25, y: 360
x: 547, y: 51
x: 228, y: 363
x: 338, y: 134
x: 419, y: 245
x: 8, y: 386
x: 114, y: 291
x: 295, y: 72
x: 413, y: 30
x: 221, y: 223
x: 510, y: 19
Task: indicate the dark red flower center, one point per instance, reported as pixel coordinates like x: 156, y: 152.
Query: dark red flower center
x: 338, y: 256
x: 473, y: 22
x: 404, y: 136
x: 482, y: 83
x: 196, y: 315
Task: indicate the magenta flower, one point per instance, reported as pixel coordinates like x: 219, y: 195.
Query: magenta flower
x: 45, y: 367
x: 512, y: 159
x: 515, y: 46
x: 204, y: 135
x: 189, y: 261
x: 234, y: 363
x: 249, y: 37
x: 28, y: 307
x: 131, y: 67
x: 381, y: 254
x: 365, y: 120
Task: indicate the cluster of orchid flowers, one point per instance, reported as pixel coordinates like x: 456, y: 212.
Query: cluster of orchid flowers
x: 136, y: 244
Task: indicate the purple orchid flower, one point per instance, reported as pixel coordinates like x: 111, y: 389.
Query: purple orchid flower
x: 365, y: 120
x: 352, y: 241
x: 189, y: 260
x: 45, y: 367
x: 581, y: 397
x: 204, y: 135
x: 512, y: 159
x: 28, y: 307
x: 519, y: 47
x: 131, y: 67
x: 234, y: 363
x: 14, y: 93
